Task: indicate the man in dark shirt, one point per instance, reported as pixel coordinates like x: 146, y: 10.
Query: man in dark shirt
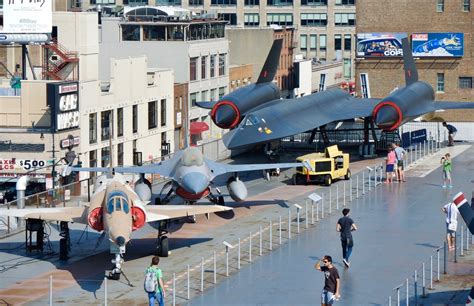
x: 451, y: 133
x: 345, y: 226
x: 332, y: 282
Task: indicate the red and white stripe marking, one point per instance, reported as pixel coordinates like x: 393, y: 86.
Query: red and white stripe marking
x: 459, y: 199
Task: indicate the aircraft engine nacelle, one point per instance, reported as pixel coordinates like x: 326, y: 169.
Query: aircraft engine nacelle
x: 95, y: 219
x: 226, y: 114
x: 138, y: 215
x: 237, y: 190
x: 387, y: 115
x: 143, y: 190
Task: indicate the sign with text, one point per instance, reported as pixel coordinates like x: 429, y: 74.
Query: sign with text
x: 63, y: 99
x: 437, y: 44
x: 13, y: 164
x: 380, y: 44
x: 32, y: 16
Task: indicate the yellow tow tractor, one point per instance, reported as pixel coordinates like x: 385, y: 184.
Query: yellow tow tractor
x: 325, y: 167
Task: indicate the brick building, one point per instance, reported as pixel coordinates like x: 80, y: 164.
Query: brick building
x: 451, y: 77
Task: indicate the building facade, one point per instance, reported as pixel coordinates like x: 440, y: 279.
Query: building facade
x: 450, y: 76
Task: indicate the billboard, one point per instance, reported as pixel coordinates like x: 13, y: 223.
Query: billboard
x: 34, y: 16
x: 437, y: 44
x: 380, y: 44
x: 63, y: 99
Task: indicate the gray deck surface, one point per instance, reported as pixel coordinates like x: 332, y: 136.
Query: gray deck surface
x: 400, y: 225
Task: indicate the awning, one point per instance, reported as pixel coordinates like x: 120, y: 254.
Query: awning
x: 198, y: 127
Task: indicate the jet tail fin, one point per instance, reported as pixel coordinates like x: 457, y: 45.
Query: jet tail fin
x: 411, y: 74
x: 270, y: 67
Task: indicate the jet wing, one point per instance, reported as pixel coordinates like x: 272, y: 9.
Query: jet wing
x: 221, y: 168
x: 294, y: 116
x: 164, y: 168
x: 68, y: 214
x: 165, y: 212
x: 452, y: 105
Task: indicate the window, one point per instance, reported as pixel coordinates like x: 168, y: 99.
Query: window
x: 93, y: 128
x: 135, y: 118
x: 279, y: 2
x: 347, y: 68
x: 303, y: 42
x: 347, y: 42
x: 212, y: 66
x: 440, y: 82
x: 337, y: 42
x: 283, y: 19
x: 344, y: 19
x: 163, y: 112
x: 203, y: 67
x: 130, y: 32
x: 204, y: 94
x: 322, y: 81
x: 213, y: 94
x: 104, y: 124
x: 465, y: 82
x: 466, y: 5
x: 314, y: 2
x: 221, y: 92
x: 152, y: 114
x: 222, y: 64
x: 312, y: 41
x: 105, y: 159
x: 230, y: 17
x: 314, y: 20
x: 252, y: 2
x: 193, y: 99
x: 439, y: 6
x: 251, y: 20
x: 153, y: 33
x: 93, y: 159
x: 119, y: 122
x: 120, y: 154
x: 345, y: 2
x: 196, y: 2
x: 223, y: 2
x: 322, y: 42
x: 102, y: 1
x: 193, y: 69
x: 364, y: 85
x: 168, y: 2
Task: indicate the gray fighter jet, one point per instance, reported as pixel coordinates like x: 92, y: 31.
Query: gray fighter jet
x: 192, y: 176
x: 282, y: 118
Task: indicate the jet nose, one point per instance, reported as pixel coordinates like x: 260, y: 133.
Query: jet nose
x: 120, y: 241
x: 195, y: 182
x: 225, y: 115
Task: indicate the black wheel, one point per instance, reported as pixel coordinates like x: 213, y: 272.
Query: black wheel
x: 298, y: 179
x: 327, y: 180
x: 191, y: 219
x: 114, y: 276
x: 163, y: 247
x: 348, y: 174
x: 157, y: 201
x: 221, y: 200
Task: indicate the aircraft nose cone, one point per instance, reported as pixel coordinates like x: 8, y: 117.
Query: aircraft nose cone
x: 386, y: 116
x: 225, y: 115
x: 195, y: 182
x: 120, y: 240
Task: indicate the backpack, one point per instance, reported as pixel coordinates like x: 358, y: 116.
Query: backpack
x: 151, y: 281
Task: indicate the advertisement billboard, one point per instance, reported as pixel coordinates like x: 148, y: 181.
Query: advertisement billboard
x: 437, y: 44
x: 34, y: 16
x: 63, y: 99
x: 380, y: 44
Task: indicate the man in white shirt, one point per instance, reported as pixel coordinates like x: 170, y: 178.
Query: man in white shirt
x: 451, y: 212
x: 400, y: 153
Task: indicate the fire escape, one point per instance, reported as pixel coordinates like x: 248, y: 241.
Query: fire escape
x: 59, y: 63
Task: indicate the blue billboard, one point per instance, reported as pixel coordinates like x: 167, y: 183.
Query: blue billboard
x: 437, y: 44
x: 380, y: 44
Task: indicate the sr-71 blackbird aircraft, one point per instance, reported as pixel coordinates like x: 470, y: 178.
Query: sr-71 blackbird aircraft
x: 116, y: 210
x: 280, y: 118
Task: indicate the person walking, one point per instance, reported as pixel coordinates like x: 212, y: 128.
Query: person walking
x: 332, y: 282
x: 345, y: 225
x: 447, y: 167
x: 153, y: 284
x: 451, y: 133
x: 390, y: 160
x: 451, y: 211
x: 400, y: 154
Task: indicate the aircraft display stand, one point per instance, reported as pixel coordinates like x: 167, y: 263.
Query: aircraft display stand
x: 34, y: 226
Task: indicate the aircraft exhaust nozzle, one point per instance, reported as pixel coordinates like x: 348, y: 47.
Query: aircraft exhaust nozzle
x: 387, y: 116
x: 225, y: 114
x: 120, y: 241
x: 195, y: 182
x: 237, y: 190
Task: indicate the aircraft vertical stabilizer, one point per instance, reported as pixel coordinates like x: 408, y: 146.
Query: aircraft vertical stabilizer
x: 411, y: 74
x: 271, y: 63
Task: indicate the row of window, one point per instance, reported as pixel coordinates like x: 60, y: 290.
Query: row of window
x: 105, y: 119
x: 463, y: 82
x: 224, y: 2
x: 307, y: 19
x: 206, y: 64
x: 207, y: 95
x: 340, y: 42
x: 465, y: 5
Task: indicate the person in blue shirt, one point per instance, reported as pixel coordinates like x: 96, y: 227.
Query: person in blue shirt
x: 451, y: 133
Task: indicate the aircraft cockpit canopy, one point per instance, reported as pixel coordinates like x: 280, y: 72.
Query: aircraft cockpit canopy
x: 118, y: 201
x: 192, y: 157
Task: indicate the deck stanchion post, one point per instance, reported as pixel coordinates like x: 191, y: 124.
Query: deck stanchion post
x: 306, y: 219
x: 250, y: 247
x: 270, y: 234
x: 431, y: 272
x: 188, y: 287
x: 202, y: 274
x: 105, y: 291
x: 238, y: 255
x: 50, y: 290
x: 337, y: 197
x: 279, y: 231
x: 215, y: 270
x: 260, y: 236
x: 289, y: 223
x: 174, y: 289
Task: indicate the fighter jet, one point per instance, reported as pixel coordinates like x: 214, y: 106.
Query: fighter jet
x: 116, y: 210
x: 192, y: 176
x: 231, y: 108
x: 282, y: 118
x: 466, y: 211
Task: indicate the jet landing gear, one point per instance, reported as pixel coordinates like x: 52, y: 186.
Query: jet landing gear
x: 162, y: 248
x: 219, y: 200
x: 118, y: 262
